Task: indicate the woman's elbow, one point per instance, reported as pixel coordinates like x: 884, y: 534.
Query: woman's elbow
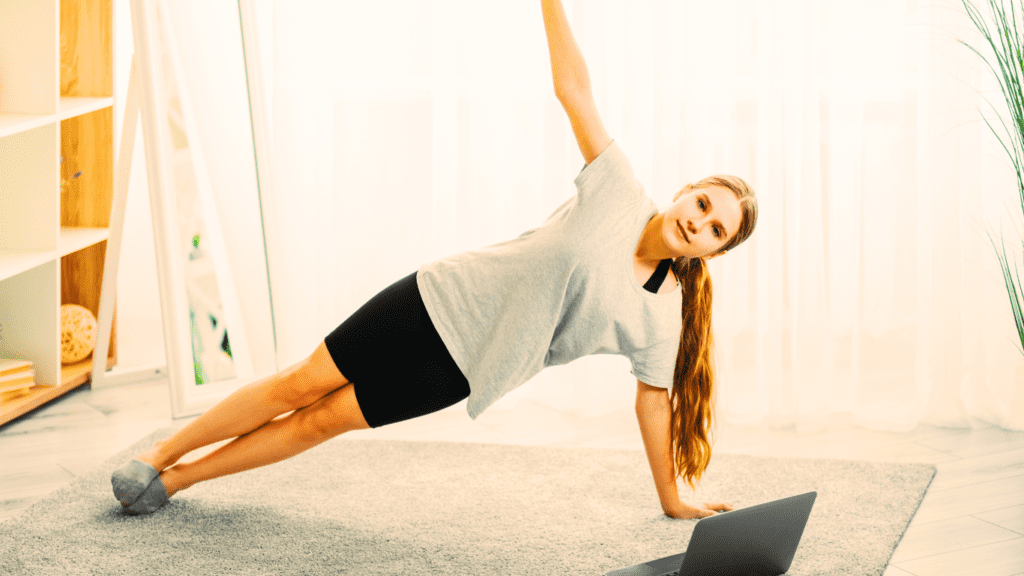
x: 653, y: 402
x: 571, y: 91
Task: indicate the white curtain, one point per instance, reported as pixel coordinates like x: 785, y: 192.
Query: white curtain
x: 408, y: 130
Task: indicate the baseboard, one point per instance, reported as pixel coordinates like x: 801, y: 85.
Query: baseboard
x: 121, y: 377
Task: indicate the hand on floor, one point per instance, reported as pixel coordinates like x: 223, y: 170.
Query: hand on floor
x: 684, y: 511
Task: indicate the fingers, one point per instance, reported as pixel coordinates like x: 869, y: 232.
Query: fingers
x: 708, y: 509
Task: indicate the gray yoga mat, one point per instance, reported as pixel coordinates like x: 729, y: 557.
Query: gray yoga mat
x: 438, y: 508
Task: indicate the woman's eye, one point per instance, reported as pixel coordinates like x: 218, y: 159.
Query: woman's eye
x: 701, y: 203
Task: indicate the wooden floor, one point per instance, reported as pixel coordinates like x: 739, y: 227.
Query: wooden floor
x: 971, y: 521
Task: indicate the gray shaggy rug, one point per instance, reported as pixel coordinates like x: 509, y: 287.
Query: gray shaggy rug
x: 354, y: 506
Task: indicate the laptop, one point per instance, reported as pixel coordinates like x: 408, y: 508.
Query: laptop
x: 757, y: 540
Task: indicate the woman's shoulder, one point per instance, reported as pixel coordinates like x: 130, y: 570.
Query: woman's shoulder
x: 610, y: 179
x: 611, y: 161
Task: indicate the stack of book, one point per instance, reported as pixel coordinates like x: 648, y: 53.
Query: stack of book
x: 16, y: 378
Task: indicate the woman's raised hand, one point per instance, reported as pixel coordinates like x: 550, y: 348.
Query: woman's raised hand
x: 572, y: 82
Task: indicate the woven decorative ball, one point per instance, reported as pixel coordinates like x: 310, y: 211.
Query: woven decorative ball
x: 78, y: 333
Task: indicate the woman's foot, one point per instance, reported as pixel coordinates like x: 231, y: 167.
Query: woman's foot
x: 158, y: 493
x: 152, y: 499
x: 131, y: 481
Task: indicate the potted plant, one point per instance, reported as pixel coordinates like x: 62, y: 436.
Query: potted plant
x: 1003, y: 35
x: 1007, y: 43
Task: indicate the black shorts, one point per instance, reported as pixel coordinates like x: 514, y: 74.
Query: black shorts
x: 396, y: 361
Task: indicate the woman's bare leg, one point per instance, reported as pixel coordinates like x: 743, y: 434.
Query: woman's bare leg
x: 251, y: 407
x: 334, y: 414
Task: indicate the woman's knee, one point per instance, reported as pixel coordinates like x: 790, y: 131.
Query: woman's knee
x: 317, y: 376
x: 336, y: 413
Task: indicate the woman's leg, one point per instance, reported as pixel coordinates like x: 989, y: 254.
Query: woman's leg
x: 252, y: 407
x: 334, y: 414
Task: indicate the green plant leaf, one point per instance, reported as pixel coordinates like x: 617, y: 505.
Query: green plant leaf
x: 1009, y: 56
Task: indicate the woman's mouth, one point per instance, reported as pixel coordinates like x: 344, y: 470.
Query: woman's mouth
x: 682, y: 231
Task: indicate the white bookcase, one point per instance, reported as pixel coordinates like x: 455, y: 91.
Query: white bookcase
x: 56, y: 100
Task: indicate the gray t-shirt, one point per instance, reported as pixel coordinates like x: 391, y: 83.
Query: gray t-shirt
x: 558, y: 292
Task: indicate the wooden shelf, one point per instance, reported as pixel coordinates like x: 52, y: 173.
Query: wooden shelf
x: 57, y: 120
x: 75, y: 239
x: 71, y: 240
x: 72, y: 376
x: 14, y: 263
x: 74, y: 107
x: 11, y: 124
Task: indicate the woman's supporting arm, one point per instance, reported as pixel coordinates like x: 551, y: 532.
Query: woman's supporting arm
x: 654, y: 412
x: 572, y: 82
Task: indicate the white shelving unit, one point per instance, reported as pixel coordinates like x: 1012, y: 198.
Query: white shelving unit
x: 56, y: 100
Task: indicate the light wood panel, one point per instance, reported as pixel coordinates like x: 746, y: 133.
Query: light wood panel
x: 958, y: 533
x: 85, y: 145
x: 1011, y: 518
x: 1000, y: 559
x: 86, y: 48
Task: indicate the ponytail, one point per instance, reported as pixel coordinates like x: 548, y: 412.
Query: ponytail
x: 693, y: 385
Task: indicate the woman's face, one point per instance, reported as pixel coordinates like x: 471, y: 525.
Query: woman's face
x: 701, y: 221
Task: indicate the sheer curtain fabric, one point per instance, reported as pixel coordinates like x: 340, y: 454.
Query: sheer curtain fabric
x: 405, y: 131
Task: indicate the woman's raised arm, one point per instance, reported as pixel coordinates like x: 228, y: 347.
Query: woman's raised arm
x: 572, y: 82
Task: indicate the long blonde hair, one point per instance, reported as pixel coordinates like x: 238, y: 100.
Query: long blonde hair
x: 693, y: 388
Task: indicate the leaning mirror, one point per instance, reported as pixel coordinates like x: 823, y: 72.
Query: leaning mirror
x: 198, y: 126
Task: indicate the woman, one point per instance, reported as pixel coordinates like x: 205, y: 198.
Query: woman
x: 590, y: 280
